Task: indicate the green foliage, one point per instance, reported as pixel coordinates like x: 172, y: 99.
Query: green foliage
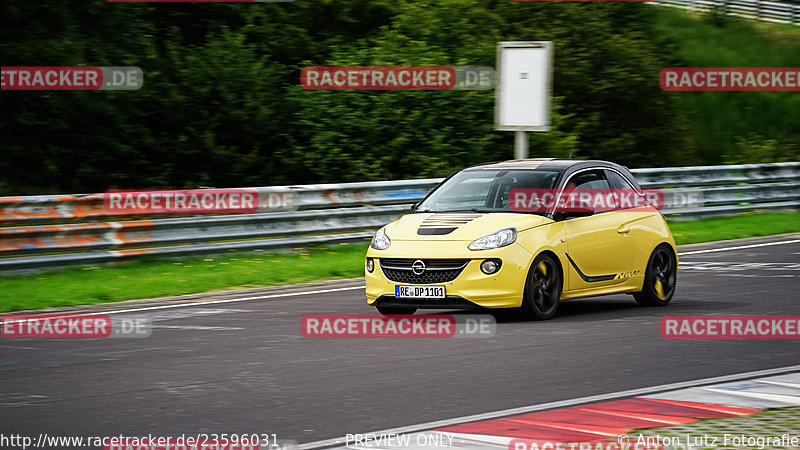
x: 755, y: 148
x: 222, y: 106
x: 718, y: 15
x: 718, y: 122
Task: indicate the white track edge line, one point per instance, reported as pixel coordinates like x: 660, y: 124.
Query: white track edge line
x: 561, y: 404
x: 228, y: 300
x: 738, y: 247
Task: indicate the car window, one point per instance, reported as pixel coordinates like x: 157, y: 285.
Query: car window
x: 484, y: 190
x: 467, y: 193
x: 521, y: 180
x: 617, y: 181
x: 590, y: 179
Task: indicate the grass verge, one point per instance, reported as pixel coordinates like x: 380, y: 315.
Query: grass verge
x: 154, y: 277
x: 771, y: 429
x: 150, y: 277
x: 741, y: 226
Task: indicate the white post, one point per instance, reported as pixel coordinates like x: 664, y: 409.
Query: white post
x: 520, y: 144
x: 524, y: 81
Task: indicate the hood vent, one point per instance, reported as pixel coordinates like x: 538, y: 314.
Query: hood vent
x: 442, y: 224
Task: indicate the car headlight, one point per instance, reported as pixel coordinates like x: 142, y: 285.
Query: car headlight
x: 380, y: 241
x: 495, y: 240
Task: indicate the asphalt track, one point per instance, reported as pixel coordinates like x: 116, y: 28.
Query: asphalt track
x: 237, y: 362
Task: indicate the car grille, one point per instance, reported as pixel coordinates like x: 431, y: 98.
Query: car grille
x: 437, y: 270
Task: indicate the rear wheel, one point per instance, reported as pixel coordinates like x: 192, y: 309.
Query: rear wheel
x: 659, y: 278
x: 542, y: 289
x: 388, y: 311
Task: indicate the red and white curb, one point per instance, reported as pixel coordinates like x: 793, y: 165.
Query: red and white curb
x: 603, y: 421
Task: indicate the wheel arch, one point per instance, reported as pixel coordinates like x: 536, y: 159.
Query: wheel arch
x: 559, y: 261
x: 647, y: 296
x: 671, y: 247
x: 672, y: 250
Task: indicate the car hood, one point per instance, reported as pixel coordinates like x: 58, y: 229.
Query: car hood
x: 458, y: 226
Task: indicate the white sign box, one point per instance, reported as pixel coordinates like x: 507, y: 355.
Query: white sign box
x: 524, y: 75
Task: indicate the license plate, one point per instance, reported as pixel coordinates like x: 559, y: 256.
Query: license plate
x: 411, y: 291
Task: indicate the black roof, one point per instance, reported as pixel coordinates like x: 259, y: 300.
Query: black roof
x: 553, y: 164
x: 561, y: 165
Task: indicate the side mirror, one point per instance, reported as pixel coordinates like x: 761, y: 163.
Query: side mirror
x: 564, y: 215
x: 414, y: 206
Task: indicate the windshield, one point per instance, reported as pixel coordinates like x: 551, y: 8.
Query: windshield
x: 484, y: 190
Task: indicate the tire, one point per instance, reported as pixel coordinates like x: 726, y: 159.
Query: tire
x: 659, y: 278
x: 542, y: 289
x: 387, y: 311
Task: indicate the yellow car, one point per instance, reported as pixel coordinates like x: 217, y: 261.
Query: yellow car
x: 479, y: 240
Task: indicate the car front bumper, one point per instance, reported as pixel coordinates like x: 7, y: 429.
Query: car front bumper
x: 470, y: 289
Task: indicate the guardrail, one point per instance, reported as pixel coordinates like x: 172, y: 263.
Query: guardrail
x: 776, y: 12
x: 66, y: 208
x: 316, y: 214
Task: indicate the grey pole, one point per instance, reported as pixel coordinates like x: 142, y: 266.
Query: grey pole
x: 520, y: 144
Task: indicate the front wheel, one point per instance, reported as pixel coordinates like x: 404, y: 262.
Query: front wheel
x: 388, y: 311
x: 659, y: 278
x: 542, y: 289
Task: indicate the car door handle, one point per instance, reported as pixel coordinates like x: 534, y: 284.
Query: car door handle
x: 623, y: 229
